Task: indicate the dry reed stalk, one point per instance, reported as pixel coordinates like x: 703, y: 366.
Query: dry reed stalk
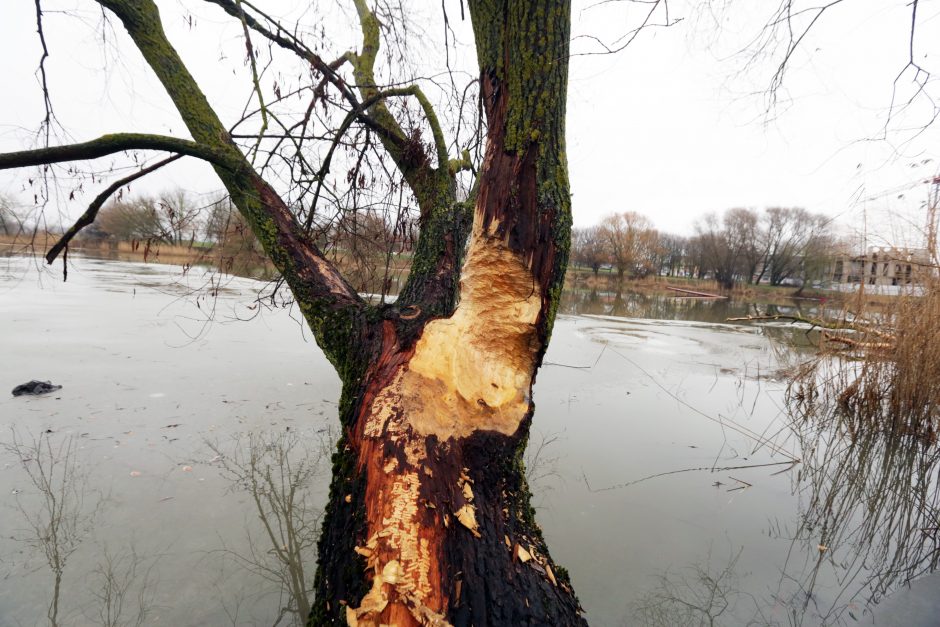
x: 880, y: 367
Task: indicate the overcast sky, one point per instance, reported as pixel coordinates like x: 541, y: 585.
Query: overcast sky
x: 673, y: 126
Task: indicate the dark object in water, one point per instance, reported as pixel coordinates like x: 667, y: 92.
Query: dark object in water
x: 35, y: 388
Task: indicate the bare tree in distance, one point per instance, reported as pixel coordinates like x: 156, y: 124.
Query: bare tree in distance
x: 779, y: 244
x: 673, y: 254
x: 723, y: 245
x: 234, y: 246
x: 11, y: 223
x: 131, y: 219
x: 630, y: 240
x: 789, y: 235
x: 180, y: 217
x: 172, y: 218
x: 589, y: 247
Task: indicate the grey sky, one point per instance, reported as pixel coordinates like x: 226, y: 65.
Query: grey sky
x: 668, y: 127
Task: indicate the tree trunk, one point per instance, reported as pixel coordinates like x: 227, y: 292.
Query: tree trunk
x: 429, y: 520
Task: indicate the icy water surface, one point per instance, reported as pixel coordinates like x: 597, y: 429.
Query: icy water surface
x: 662, y: 459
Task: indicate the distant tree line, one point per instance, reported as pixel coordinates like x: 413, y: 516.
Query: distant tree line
x: 364, y: 241
x: 179, y: 218
x: 371, y: 243
x: 778, y: 245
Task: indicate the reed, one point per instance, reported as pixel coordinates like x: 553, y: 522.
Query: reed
x: 880, y: 363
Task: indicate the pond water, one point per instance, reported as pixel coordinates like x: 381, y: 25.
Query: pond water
x: 669, y: 476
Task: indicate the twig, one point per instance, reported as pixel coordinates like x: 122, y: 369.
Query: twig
x: 619, y: 486
x: 92, y: 212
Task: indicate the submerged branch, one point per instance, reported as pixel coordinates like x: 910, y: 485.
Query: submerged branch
x: 815, y: 322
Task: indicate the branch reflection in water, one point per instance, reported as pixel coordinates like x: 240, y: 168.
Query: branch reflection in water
x: 868, y: 522
x: 872, y: 508
x: 59, y: 513
x: 276, y: 470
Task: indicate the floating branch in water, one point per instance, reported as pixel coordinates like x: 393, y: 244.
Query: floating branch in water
x: 789, y: 464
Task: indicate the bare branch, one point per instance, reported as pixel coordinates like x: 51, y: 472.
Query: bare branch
x: 92, y: 212
x: 627, y: 38
x: 285, y: 40
x: 111, y: 144
x: 353, y: 115
x: 316, y: 283
x: 47, y: 101
x: 414, y: 167
x: 254, y: 75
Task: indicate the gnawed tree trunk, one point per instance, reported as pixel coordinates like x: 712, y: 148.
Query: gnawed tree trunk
x: 429, y: 520
x: 429, y: 494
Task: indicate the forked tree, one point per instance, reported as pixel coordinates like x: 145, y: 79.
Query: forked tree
x: 429, y: 520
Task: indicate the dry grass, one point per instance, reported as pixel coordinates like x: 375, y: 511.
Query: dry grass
x: 879, y: 367
x: 26, y: 242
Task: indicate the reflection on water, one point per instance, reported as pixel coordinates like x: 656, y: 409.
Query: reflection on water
x: 867, y: 523
x: 870, y: 505
x: 276, y: 471
x: 661, y: 458
x: 626, y: 304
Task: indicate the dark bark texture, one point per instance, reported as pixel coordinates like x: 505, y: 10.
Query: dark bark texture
x: 491, y: 567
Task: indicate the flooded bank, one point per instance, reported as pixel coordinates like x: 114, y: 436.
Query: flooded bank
x: 671, y: 479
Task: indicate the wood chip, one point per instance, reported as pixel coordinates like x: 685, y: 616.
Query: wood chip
x: 468, y: 519
x: 392, y: 572
x: 551, y: 575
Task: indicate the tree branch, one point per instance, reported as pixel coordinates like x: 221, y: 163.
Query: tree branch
x: 92, y: 212
x: 445, y: 223
x: 47, y: 101
x: 815, y: 322
x: 288, y: 42
x: 111, y: 144
x: 320, y: 176
x: 426, y: 182
x: 330, y: 305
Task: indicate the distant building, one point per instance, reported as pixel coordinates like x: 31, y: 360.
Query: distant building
x: 882, y: 266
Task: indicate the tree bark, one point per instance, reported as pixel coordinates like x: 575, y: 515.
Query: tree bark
x: 429, y: 520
